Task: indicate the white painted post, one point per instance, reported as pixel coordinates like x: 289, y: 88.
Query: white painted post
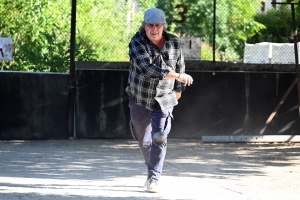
x: 6, y: 48
x: 191, y: 47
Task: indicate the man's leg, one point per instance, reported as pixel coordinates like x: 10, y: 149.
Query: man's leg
x: 140, y: 125
x: 161, y: 122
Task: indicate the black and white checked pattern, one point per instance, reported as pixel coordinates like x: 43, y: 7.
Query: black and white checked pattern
x: 148, y: 67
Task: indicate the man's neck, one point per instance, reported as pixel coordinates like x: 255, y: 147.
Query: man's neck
x: 160, y: 44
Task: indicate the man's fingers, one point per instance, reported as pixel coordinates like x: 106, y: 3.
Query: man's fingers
x: 187, y: 80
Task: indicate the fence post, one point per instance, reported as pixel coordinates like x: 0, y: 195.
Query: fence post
x: 214, y: 32
x: 72, y: 91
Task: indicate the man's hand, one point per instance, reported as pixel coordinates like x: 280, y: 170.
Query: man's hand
x: 178, y: 95
x: 185, y: 78
x: 181, y: 77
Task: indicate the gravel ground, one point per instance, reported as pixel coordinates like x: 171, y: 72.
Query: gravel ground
x: 113, y: 169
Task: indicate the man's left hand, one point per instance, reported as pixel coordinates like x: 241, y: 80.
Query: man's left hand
x: 178, y: 95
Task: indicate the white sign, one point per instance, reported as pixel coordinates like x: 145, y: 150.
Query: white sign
x: 283, y: 53
x: 6, y: 48
x: 191, y: 47
x: 259, y: 53
x: 270, y: 53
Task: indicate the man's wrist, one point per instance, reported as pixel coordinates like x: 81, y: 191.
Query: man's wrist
x: 178, y: 76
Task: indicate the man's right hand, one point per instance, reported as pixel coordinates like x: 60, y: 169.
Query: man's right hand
x: 181, y: 77
x: 185, y: 78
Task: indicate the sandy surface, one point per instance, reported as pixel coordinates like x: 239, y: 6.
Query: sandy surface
x: 113, y: 169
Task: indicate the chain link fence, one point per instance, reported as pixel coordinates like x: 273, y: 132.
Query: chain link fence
x: 40, y: 30
x: 249, y: 31
x: 104, y: 28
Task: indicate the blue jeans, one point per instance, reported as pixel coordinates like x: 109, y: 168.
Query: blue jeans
x: 143, y: 124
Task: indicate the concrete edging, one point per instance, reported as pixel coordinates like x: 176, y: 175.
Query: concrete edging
x: 252, y: 138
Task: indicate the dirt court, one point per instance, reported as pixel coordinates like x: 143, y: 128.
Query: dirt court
x: 113, y: 169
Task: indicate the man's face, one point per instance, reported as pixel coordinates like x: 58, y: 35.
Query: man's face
x: 154, y: 32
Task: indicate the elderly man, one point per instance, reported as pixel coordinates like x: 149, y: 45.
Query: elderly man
x: 156, y: 80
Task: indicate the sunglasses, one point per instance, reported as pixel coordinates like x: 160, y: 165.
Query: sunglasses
x: 155, y: 25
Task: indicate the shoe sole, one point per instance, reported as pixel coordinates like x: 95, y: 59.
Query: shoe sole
x: 152, y: 191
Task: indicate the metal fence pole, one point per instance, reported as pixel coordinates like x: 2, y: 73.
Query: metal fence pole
x: 72, y: 71
x: 214, y: 32
x: 295, y: 38
x: 296, y: 53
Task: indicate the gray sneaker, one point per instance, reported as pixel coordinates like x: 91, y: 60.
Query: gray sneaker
x: 152, y: 185
x: 146, y: 183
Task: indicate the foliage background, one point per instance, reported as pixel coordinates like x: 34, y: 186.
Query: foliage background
x: 41, y: 29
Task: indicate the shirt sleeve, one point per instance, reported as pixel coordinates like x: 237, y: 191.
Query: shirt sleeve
x: 180, y: 68
x: 138, y: 53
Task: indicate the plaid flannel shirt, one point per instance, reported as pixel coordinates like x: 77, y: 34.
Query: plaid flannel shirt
x: 149, y: 66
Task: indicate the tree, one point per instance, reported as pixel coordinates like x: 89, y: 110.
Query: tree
x: 40, y: 31
x: 106, y: 26
x: 278, y: 25
x: 234, y: 22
